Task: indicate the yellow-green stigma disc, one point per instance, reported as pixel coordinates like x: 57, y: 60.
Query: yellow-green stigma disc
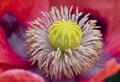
x: 64, y: 34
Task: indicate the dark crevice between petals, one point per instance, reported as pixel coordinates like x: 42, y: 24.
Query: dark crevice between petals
x: 114, y: 78
x: 100, y: 22
x: 15, y: 34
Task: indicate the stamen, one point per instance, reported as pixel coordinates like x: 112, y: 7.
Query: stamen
x: 64, y: 47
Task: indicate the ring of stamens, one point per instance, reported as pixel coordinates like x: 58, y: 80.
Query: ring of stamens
x: 68, y: 61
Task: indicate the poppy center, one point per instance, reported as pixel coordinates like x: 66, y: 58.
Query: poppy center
x: 64, y: 35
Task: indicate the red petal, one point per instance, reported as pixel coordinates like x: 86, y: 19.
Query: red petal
x: 110, y: 69
x: 24, y: 10
x: 1, y: 70
x: 112, y: 46
x: 19, y: 76
x: 83, y: 80
x: 62, y: 2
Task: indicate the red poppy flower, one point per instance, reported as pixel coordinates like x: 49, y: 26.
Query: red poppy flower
x: 16, y: 14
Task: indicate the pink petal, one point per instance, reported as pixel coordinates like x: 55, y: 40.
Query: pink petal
x: 110, y: 69
x: 19, y: 75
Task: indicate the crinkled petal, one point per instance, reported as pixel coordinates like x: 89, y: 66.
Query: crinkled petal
x: 24, y: 10
x: 19, y: 75
x: 111, y: 68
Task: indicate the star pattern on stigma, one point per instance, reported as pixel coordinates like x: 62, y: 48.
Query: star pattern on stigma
x: 62, y: 42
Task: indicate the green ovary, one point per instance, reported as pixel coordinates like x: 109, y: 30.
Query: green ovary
x: 64, y: 34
